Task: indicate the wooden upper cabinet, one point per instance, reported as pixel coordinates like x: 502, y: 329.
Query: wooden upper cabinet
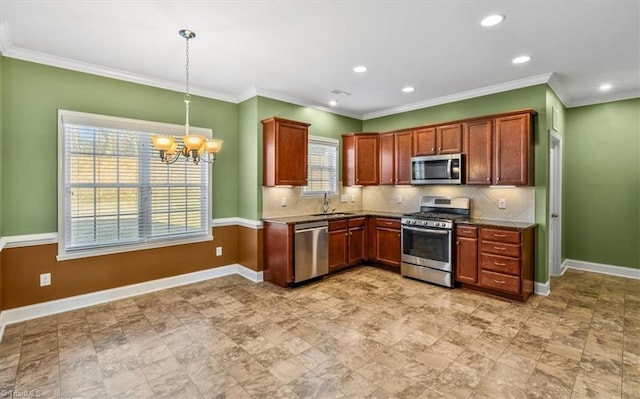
x: 449, y: 139
x: 387, y: 158
x: 360, y: 159
x: 424, y: 141
x: 396, y: 150
x: 284, y: 152
x: 478, y: 144
x: 444, y: 139
x: 403, y: 152
x: 513, y: 155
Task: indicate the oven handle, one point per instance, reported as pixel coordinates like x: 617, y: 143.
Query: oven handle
x: 442, y: 232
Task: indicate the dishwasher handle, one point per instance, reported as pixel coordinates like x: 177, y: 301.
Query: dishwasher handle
x: 302, y: 227
x: 312, y: 229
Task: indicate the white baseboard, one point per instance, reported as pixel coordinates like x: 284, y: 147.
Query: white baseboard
x: 24, y: 313
x: 612, y: 270
x: 543, y: 289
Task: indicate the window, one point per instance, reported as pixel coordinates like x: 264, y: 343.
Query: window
x: 322, y: 158
x: 115, y: 194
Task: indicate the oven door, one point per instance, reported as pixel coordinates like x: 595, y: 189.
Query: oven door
x: 430, y: 247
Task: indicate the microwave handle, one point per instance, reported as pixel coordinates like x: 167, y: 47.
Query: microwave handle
x: 449, y: 168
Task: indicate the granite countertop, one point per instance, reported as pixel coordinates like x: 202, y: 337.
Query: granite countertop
x: 504, y: 224
x: 329, y: 216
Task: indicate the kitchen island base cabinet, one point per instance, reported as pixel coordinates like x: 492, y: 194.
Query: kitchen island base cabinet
x: 278, y: 253
x: 499, y: 262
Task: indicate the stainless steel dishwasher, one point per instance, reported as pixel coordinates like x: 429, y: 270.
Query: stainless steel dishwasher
x: 311, y: 250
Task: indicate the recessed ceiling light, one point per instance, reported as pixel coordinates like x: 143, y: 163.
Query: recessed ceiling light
x: 360, y: 69
x: 333, y: 103
x: 522, y: 59
x: 605, y: 86
x: 408, y: 89
x: 492, y: 20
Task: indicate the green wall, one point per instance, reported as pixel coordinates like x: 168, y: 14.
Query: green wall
x: 323, y: 124
x: 602, y: 183
x: 29, y: 151
x: 529, y: 97
x: 249, y: 161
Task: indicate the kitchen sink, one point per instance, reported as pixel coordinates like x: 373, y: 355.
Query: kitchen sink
x: 333, y: 215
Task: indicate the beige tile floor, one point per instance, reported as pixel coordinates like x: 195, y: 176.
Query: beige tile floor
x: 363, y: 333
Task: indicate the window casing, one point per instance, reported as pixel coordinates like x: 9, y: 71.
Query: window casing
x: 114, y: 193
x: 322, y: 160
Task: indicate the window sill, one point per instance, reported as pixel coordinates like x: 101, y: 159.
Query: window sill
x: 129, y: 248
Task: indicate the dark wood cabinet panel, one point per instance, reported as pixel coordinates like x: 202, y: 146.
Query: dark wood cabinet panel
x: 449, y: 139
x: 403, y: 153
x: 278, y: 253
x: 424, y: 141
x: 387, y: 159
x: 467, y: 260
x: 513, y: 150
x: 360, y: 159
x: 338, y: 249
x: 387, y: 249
x: 357, y: 245
x: 396, y: 150
x: 284, y: 152
x: 478, y: 145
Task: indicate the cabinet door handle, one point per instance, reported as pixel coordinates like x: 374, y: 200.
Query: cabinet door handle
x: 499, y: 235
x: 433, y: 149
x: 439, y: 148
x: 497, y: 178
x: 488, y: 179
x: 498, y: 281
x: 499, y: 264
x: 387, y: 223
x: 500, y: 248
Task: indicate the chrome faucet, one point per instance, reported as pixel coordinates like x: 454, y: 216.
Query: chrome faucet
x: 325, y: 202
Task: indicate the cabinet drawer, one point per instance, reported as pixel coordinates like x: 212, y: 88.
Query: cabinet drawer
x: 388, y: 223
x: 467, y: 231
x: 338, y: 225
x: 356, y: 222
x: 508, y: 236
x: 498, y: 248
x: 500, y: 264
x: 499, y: 281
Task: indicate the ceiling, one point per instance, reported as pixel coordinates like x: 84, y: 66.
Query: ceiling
x: 299, y: 51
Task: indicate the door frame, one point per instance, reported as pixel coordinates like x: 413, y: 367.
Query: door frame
x: 555, y: 204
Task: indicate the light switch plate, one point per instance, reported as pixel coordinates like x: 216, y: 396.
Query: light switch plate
x: 502, y: 203
x: 344, y: 198
x: 45, y: 279
x: 283, y: 201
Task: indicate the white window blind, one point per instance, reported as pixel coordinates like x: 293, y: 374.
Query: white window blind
x: 116, y: 195
x: 322, y: 159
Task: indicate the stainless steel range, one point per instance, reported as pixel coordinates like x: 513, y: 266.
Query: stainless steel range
x: 428, y: 237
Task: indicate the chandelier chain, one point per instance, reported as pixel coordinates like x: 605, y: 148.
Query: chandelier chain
x: 187, y: 70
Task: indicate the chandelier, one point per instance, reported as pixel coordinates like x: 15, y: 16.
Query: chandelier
x: 195, y: 147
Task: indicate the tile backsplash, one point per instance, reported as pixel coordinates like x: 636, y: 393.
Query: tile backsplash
x: 298, y: 204
x: 520, y: 201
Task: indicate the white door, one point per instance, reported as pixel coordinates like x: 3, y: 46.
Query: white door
x: 555, y: 204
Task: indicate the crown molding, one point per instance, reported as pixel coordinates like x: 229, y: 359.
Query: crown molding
x: 607, y: 98
x: 305, y: 103
x: 465, y: 95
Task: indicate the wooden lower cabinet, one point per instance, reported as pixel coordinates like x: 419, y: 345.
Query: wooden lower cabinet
x: 278, y: 253
x: 357, y: 240
x: 467, y: 254
x: 499, y: 261
x: 385, y: 242
x: 338, y: 244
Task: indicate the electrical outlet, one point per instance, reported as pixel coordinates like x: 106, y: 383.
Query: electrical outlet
x: 399, y: 199
x: 218, y: 251
x: 283, y: 201
x: 45, y: 279
x: 353, y: 198
x: 344, y: 198
x: 502, y: 203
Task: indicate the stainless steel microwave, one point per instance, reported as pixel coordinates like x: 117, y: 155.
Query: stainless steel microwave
x: 437, y: 169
